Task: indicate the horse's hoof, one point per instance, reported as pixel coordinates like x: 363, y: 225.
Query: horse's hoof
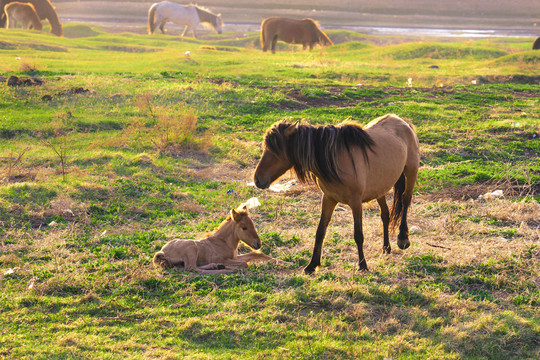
x: 363, y: 268
x: 310, y: 270
x: 403, y: 243
x: 220, y: 266
x: 387, y: 250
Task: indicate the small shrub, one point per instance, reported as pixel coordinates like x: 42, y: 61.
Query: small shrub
x: 177, y: 135
x: 27, y: 68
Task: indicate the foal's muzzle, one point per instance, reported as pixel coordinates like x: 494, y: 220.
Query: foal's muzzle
x: 257, y: 245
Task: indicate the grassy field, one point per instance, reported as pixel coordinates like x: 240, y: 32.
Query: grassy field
x: 132, y: 140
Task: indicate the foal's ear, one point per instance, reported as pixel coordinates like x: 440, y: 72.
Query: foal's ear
x: 291, y: 129
x: 243, y: 208
x: 235, y: 216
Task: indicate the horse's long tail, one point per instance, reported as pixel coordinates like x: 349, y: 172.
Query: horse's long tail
x: 397, y: 206
x: 151, y: 18
x: 3, y: 16
x: 264, y: 46
x: 262, y: 37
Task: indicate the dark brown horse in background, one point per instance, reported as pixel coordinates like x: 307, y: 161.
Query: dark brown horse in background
x: 351, y: 165
x: 305, y: 32
x: 44, y: 9
x: 536, y: 44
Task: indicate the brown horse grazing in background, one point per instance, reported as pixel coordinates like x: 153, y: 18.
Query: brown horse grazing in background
x: 23, y: 13
x: 217, y: 253
x: 305, y: 32
x: 44, y: 9
x: 351, y: 165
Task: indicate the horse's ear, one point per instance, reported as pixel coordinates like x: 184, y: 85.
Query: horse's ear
x: 291, y: 129
x: 235, y: 216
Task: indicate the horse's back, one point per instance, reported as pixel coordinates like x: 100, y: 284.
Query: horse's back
x: 281, y: 25
x: 395, y: 139
x: 297, y: 31
x: 391, y: 124
x: 395, y: 148
x: 177, y: 13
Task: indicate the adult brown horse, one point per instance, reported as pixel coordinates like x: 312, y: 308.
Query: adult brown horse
x: 23, y: 13
x: 351, y: 165
x: 305, y: 32
x: 44, y: 9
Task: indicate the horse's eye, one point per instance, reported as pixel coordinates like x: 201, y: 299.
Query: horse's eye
x: 244, y: 228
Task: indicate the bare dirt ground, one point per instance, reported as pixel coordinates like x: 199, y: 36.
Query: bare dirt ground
x: 506, y: 17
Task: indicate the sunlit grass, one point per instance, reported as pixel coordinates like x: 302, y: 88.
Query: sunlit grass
x: 163, y: 144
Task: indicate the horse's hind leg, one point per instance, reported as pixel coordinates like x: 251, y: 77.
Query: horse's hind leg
x: 359, y: 235
x: 410, y: 180
x: 385, y: 217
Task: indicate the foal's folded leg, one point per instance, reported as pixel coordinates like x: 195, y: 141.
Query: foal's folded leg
x: 212, y: 266
x: 259, y: 256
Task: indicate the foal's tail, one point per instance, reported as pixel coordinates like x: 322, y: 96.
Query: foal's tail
x: 151, y: 18
x: 161, y: 261
x: 397, y: 206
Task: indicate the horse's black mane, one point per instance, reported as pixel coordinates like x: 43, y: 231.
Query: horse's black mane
x: 313, y: 150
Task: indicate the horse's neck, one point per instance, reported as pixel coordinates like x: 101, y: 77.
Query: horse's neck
x: 224, y: 236
x: 204, y: 17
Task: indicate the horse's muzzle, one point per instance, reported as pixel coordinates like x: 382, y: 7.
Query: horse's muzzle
x: 257, y: 245
x: 260, y: 184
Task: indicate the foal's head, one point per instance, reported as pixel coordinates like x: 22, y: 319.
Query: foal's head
x: 243, y: 228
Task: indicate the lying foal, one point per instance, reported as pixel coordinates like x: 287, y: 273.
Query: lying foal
x: 218, y: 252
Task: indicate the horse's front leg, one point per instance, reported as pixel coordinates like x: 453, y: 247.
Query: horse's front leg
x: 212, y: 266
x: 385, y: 218
x: 327, y: 209
x: 185, y: 31
x: 359, y: 235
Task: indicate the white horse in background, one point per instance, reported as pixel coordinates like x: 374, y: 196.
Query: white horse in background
x: 190, y: 16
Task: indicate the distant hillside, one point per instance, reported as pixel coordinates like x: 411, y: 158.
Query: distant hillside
x: 509, y: 14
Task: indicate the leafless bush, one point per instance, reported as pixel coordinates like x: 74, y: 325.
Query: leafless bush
x: 27, y: 68
x: 58, y: 141
x: 13, y: 171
